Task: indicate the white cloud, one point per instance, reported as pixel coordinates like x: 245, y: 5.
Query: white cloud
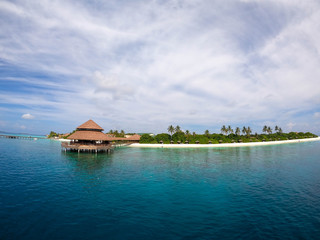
x: 144, y: 65
x: 290, y: 125
x: 27, y: 116
x: 316, y: 114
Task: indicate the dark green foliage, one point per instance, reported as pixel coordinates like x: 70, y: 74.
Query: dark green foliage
x: 164, y: 137
x: 223, y: 138
x: 53, y: 134
x: 116, y: 133
x: 121, y: 134
x: 177, y: 129
x: 203, y: 139
x: 146, y: 138
x: 179, y: 136
x: 171, y: 129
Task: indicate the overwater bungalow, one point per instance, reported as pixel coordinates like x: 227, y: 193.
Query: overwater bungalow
x: 88, y: 138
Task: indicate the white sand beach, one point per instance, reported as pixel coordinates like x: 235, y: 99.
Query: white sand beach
x: 222, y: 145
x: 63, y: 140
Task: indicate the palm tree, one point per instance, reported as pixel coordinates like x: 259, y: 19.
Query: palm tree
x: 187, y: 134
x: 111, y: 131
x: 223, y: 129
x: 237, y: 131
x: 265, y: 129
x: 276, y: 128
x: 269, y: 130
x: 122, y: 133
x: 194, y: 134
x: 229, y: 129
x: 171, y: 129
x: 244, y: 130
x: 206, y: 132
x: 249, y: 131
x: 178, y: 129
x: 280, y: 130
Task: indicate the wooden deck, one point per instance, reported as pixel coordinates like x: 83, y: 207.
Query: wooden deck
x: 108, y: 148
x: 20, y: 137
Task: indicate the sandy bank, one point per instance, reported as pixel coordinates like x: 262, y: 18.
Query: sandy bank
x: 145, y: 145
x: 62, y: 140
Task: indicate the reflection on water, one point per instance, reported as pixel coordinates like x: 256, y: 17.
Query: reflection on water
x: 88, y: 169
x: 87, y: 161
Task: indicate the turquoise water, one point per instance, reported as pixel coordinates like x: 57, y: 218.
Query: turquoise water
x: 267, y: 192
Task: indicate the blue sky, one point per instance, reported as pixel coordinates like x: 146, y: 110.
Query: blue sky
x: 143, y: 65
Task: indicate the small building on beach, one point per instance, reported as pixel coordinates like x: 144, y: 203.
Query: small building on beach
x: 133, y: 138
x: 88, y: 138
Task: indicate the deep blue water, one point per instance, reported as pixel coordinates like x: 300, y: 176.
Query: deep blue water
x: 267, y: 192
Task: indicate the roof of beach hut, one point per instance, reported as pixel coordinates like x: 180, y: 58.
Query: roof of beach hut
x: 115, y: 138
x: 90, y: 125
x: 135, y: 137
x: 89, y: 131
x: 89, y: 135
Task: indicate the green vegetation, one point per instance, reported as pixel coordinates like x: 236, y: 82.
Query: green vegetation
x: 116, y: 133
x: 53, y: 134
x: 171, y: 129
x: 146, y: 138
x: 228, y: 135
x: 164, y: 137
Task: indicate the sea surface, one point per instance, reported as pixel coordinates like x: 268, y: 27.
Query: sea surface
x: 265, y: 192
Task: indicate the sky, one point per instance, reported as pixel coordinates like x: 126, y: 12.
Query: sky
x: 143, y: 65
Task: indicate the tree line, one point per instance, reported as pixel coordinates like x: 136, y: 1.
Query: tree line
x: 116, y: 133
x: 227, y: 135
x: 228, y: 130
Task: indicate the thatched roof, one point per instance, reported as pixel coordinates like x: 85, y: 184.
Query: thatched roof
x: 93, y: 132
x: 89, y: 131
x: 90, y: 125
x: 115, y: 138
x: 135, y: 137
x: 89, y: 135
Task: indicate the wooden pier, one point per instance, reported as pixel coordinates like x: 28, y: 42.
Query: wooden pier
x: 21, y: 137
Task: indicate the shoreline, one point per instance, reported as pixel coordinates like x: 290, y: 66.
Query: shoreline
x: 222, y: 145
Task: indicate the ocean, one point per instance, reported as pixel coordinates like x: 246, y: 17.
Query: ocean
x: 263, y: 192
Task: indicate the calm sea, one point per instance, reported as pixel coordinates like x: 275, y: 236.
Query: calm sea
x: 267, y: 192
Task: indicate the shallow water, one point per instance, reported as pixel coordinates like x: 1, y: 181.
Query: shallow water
x: 237, y: 193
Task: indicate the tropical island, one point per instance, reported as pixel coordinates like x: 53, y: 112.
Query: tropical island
x: 89, y: 136
x: 227, y: 135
